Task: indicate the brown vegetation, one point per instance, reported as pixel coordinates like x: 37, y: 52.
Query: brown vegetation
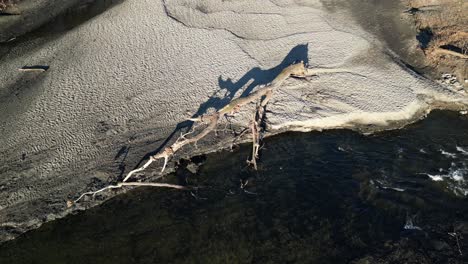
x: 4, y: 4
x: 443, y: 33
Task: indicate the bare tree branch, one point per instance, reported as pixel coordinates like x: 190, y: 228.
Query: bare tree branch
x: 122, y: 184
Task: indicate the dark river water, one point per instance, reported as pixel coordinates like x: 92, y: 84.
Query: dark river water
x: 332, y: 197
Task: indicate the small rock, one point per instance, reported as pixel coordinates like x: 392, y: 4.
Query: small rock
x: 192, y: 167
x: 446, y: 76
x: 50, y: 217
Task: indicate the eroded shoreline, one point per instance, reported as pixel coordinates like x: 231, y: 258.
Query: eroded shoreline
x: 111, y: 87
x: 312, y: 190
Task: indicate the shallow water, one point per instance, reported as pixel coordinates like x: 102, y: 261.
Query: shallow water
x: 330, y: 197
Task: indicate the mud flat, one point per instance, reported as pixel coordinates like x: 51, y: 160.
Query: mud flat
x: 122, y: 83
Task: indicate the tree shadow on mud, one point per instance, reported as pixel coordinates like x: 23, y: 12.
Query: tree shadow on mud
x: 251, y: 79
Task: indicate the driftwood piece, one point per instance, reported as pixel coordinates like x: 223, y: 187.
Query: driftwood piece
x: 122, y: 184
x: 35, y: 68
x: 442, y: 51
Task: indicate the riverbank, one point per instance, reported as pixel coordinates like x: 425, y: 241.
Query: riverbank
x: 122, y: 83
x: 321, y: 197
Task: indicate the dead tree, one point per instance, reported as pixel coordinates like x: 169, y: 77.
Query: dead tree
x: 261, y: 95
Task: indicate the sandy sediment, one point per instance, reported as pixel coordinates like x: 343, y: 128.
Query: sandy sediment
x: 119, y: 84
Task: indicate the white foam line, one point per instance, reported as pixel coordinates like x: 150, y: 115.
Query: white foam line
x: 393, y: 188
x: 448, y: 154
x: 435, y: 177
x: 462, y: 150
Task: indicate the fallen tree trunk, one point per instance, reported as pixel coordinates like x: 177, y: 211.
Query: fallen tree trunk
x: 263, y: 94
x: 297, y: 70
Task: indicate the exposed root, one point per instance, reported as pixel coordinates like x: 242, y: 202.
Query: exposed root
x: 256, y: 127
x: 457, y: 237
x: 237, y: 137
x: 255, y: 143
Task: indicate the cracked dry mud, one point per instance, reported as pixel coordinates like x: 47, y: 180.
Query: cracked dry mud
x: 127, y: 78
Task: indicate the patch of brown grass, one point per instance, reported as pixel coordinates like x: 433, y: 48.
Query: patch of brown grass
x: 4, y: 4
x: 447, y: 20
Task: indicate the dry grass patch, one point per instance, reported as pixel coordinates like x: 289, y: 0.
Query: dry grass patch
x: 443, y: 32
x: 4, y: 4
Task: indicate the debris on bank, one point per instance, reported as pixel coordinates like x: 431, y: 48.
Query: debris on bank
x: 451, y: 82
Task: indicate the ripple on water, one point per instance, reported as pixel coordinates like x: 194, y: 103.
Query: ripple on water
x: 462, y: 150
x: 454, y: 177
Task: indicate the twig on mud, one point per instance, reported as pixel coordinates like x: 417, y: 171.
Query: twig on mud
x: 122, y: 184
x: 256, y: 127
x: 243, y: 185
x: 255, y: 143
x: 456, y: 236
